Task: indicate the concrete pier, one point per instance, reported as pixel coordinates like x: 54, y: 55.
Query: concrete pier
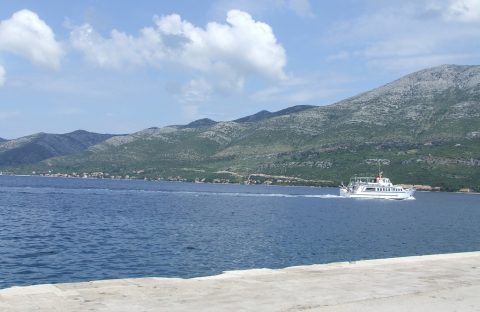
x: 448, y: 282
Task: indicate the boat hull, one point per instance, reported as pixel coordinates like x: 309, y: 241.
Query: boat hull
x: 406, y: 194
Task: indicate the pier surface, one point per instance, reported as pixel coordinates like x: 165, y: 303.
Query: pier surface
x: 449, y: 282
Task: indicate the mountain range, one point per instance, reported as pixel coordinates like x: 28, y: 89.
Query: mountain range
x: 41, y: 146
x: 423, y: 128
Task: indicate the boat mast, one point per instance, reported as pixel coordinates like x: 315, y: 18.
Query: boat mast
x: 379, y: 172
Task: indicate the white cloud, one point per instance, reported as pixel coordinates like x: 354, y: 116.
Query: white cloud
x: 226, y: 53
x: 464, y: 10
x: 27, y: 35
x: 301, y: 8
x: 3, y: 74
x: 197, y: 90
x: 120, y: 49
x: 242, y: 46
x: 413, y: 35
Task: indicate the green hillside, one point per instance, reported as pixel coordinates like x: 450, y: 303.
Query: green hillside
x: 423, y: 128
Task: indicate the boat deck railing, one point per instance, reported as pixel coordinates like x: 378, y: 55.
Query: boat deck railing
x: 362, y: 180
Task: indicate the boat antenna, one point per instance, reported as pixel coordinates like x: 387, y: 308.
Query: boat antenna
x: 379, y: 172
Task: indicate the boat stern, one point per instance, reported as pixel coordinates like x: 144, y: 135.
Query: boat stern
x: 343, y: 192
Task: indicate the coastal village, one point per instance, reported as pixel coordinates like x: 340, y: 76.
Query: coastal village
x: 257, y: 178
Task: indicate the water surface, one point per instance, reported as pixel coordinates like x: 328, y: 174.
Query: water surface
x: 66, y: 230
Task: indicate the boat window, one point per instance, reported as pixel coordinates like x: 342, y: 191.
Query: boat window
x: 369, y: 189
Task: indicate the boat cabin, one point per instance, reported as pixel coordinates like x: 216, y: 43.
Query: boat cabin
x: 366, y: 180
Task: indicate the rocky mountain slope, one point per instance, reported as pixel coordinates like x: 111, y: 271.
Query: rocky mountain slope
x: 200, y: 123
x: 40, y: 146
x: 423, y: 128
x: 264, y: 114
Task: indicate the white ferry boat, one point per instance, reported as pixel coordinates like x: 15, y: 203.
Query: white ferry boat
x: 375, y: 187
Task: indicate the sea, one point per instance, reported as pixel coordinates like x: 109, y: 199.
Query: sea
x: 55, y: 230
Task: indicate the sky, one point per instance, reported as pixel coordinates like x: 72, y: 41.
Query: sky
x: 123, y: 66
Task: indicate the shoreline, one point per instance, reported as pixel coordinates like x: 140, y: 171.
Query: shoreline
x: 441, y: 282
x: 212, y: 183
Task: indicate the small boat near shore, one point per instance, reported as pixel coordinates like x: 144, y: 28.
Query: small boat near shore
x: 375, y: 187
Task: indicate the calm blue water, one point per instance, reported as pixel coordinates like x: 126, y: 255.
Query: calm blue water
x: 64, y: 230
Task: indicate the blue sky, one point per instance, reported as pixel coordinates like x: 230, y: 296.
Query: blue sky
x: 120, y: 66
